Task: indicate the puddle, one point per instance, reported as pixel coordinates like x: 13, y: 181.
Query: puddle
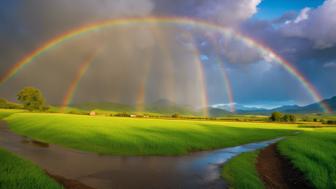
x: 197, y: 170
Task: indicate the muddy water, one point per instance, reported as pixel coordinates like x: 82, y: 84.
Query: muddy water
x: 197, y: 170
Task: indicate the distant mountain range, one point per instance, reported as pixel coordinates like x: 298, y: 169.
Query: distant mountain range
x: 311, y: 108
x: 161, y: 106
x: 164, y: 106
x: 109, y: 106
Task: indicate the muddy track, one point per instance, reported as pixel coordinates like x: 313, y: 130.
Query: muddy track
x: 278, y: 172
x: 68, y: 183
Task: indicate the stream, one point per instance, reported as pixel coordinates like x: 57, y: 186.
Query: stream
x: 196, y: 170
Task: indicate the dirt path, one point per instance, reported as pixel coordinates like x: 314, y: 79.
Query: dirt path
x: 277, y: 172
x: 68, y: 183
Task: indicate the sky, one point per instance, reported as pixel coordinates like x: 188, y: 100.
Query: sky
x: 143, y: 63
x: 269, y: 9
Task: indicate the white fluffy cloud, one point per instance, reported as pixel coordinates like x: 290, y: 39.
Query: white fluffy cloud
x: 317, y: 25
x: 228, y: 12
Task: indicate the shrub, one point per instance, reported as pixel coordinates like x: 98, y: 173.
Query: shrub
x: 276, y: 116
x: 331, y: 122
x: 175, y: 115
x: 123, y: 114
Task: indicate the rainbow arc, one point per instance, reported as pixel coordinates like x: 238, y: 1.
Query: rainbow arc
x: 175, y: 21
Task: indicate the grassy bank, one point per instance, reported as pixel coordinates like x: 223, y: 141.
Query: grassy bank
x: 314, y: 154
x: 16, y: 173
x: 7, y: 112
x: 240, y: 172
x: 127, y: 136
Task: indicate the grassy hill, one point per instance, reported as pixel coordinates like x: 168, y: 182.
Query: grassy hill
x: 104, y: 106
x: 159, y: 107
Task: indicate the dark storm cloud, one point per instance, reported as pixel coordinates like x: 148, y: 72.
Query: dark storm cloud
x: 25, y: 25
x: 308, y: 51
x: 166, y: 53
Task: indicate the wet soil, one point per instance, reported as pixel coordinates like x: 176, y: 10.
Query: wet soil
x: 277, y: 172
x: 68, y: 183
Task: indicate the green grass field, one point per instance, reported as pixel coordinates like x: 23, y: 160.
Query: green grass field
x: 240, y: 172
x: 311, y: 151
x: 16, y: 173
x: 7, y: 112
x: 129, y: 136
x: 314, y: 153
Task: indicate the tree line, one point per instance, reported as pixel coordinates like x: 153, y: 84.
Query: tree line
x: 279, y: 117
x: 30, y: 98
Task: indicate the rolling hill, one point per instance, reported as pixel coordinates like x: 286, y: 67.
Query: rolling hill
x: 161, y: 106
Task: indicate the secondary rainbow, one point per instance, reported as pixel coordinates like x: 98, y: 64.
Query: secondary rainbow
x: 222, y: 69
x: 228, y: 87
x: 74, y: 84
x: 97, y: 26
x: 202, y: 80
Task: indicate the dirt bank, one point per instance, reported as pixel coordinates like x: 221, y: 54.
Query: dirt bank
x: 277, y: 172
x: 67, y: 183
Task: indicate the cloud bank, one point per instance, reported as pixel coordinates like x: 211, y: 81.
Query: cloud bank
x: 305, y: 38
x: 317, y: 25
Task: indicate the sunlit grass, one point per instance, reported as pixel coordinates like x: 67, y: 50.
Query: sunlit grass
x: 314, y: 153
x: 240, y: 172
x: 128, y: 136
x: 16, y: 173
x: 7, y: 112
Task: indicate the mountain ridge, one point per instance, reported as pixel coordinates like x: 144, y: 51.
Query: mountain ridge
x: 165, y: 106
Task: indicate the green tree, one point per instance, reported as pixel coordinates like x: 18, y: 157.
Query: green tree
x: 292, y: 118
x: 276, y: 116
x: 286, y: 118
x: 32, y: 99
x: 289, y: 118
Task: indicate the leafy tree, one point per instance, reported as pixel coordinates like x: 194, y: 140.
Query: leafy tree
x: 276, y: 116
x: 289, y: 118
x: 286, y: 118
x: 32, y: 99
x: 292, y: 118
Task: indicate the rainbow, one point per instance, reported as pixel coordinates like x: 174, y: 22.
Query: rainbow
x: 228, y: 87
x: 97, y: 26
x: 74, y: 84
x: 202, y: 80
x: 227, y: 82
x: 140, y: 98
